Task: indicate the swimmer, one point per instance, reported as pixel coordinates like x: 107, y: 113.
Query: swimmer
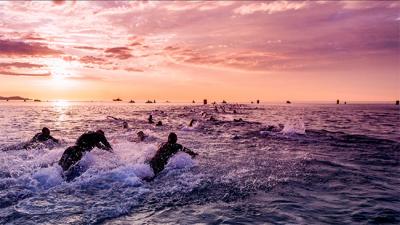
x: 165, y: 152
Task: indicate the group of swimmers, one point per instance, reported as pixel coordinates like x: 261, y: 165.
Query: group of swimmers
x: 71, y: 157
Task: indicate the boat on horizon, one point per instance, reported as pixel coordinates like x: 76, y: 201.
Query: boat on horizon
x: 131, y: 101
x: 117, y: 100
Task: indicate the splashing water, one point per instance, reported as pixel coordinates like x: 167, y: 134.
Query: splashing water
x: 294, y: 126
x: 343, y: 169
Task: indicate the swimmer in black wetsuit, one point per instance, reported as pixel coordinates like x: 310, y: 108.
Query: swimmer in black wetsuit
x: 165, y: 152
x: 140, y: 136
x: 150, y: 119
x: 41, y: 137
x: 85, y: 143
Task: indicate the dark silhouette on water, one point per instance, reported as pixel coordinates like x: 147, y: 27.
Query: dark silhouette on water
x: 131, y: 101
x: 117, y: 100
x: 150, y: 119
x: 205, y: 101
x: 193, y: 102
x: 337, y: 102
x: 41, y: 137
x: 258, y: 101
x: 397, y: 102
x: 73, y: 154
x: 141, y: 136
x: 165, y: 152
x: 288, y: 102
x: 159, y: 123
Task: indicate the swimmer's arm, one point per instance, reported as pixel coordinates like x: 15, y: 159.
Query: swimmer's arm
x: 188, y: 151
x: 105, y: 145
x: 54, y: 139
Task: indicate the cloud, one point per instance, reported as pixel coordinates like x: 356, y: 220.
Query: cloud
x: 270, y: 7
x: 19, y: 48
x: 20, y: 65
x: 33, y: 37
x: 92, y: 60
x: 133, y: 69
x: 20, y: 68
x: 10, y: 73
x: 119, y: 52
x: 88, y: 48
x: 240, y: 60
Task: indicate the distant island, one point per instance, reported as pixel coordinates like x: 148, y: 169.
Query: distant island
x: 14, y: 98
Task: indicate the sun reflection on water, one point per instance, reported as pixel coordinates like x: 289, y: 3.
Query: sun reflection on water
x: 61, y: 103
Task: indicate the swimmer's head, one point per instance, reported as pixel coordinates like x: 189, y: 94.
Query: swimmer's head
x: 172, y: 138
x: 46, y: 131
x: 140, y: 135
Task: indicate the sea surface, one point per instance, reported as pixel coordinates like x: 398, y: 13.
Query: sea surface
x: 283, y: 164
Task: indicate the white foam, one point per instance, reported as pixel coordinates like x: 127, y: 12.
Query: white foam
x: 294, y: 126
x: 180, y: 161
x: 48, y: 177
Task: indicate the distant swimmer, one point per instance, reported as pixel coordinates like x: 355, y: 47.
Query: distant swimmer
x: 150, y: 119
x: 41, y: 137
x: 165, y: 152
x: 85, y: 143
x: 125, y: 125
x: 238, y: 120
x: 141, y: 136
x: 44, y: 136
x: 159, y: 123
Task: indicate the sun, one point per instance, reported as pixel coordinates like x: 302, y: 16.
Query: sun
x: 60, y: 72
x: 59, y: 68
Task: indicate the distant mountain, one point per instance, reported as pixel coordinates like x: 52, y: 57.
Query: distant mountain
x: 14, y: 98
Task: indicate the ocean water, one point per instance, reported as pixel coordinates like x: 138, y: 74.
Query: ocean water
x: 318, y: 164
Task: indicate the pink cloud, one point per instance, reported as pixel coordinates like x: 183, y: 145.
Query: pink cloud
x: 270, y: 7
x: 92, y: 60
x: 20, y: 65
x: 87, y: 48
x: 19, y: 48
x: 119, y: 52
x: 11, y: 73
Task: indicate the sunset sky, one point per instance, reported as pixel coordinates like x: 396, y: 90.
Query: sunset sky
x: 232, y: 50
